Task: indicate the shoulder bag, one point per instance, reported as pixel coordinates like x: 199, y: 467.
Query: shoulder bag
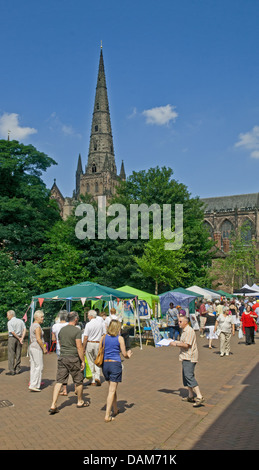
x: 99, y: 359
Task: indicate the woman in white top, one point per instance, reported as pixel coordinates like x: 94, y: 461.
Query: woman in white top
x: 36, y: 351
x: 224, y: 326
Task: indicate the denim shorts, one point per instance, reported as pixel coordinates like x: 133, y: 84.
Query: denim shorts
x: 112, y: 371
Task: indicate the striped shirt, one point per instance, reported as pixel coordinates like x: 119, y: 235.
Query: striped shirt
x: 188, y: 336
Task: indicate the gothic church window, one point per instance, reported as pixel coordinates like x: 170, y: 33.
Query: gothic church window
x: 248, y: 230
x: 94, y: 168
x: 226, y: 230
x: 209, y: 228
x: 96, y: 128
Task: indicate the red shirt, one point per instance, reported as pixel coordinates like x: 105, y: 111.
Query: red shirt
x: 247, y: 320
x: 202, y: 309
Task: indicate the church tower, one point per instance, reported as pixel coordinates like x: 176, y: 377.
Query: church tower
x: 100, y: 177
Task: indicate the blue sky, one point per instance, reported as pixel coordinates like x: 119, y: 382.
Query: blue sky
x: 182, y: 78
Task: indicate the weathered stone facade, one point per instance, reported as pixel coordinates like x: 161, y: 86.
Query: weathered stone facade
x: 226, y: 214
x: 100, y: 177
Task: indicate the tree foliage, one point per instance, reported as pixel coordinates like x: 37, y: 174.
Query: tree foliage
x: 26, y: 210
x: 239, y: 265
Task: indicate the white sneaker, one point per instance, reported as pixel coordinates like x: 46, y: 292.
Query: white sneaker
x: 34, y: 389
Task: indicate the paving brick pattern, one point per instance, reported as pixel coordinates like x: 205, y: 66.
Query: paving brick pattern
x: 152, y: 413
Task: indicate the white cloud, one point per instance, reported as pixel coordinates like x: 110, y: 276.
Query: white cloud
x: 56, y: 125
x: 250, y: 141
x: 9, y: 122
x: 161, y: 115
x: 133, y: 114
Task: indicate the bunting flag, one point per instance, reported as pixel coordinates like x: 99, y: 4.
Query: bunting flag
x: 40, y: 300
x: 83, y: 299
x: 98, y: 296
x: 25, y: 318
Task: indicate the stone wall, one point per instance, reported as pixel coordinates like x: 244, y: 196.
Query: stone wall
x: 4, y: 343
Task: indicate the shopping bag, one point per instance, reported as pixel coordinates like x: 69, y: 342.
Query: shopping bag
x: 240, y: 333
x: 87, y: 370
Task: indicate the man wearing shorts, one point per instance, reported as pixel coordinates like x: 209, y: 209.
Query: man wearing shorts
x: 70, y: 362
x: 189, y: 358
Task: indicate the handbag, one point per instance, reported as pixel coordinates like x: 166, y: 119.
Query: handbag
x: 99, y: 358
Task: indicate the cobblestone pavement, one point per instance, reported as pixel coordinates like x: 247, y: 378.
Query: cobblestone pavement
x: 152, y: 414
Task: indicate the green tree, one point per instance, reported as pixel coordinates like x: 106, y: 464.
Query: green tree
x: 18, y: 284
x: 26, y: 210
x: 157, y: 186
x: 164, y: 267
x: 240, y: 264
x: 63, y: 264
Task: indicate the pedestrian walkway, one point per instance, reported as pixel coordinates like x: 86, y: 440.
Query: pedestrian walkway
x: 152, y: 415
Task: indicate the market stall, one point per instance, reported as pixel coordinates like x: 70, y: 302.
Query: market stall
x: 207, y: 294
x: 85, y: 291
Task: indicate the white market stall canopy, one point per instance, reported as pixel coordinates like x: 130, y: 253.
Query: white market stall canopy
x: 208, y: 295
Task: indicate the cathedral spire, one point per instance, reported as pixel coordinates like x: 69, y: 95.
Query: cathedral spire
x: 122, y: 172
x: 79, y: 172
x: 101, y: 148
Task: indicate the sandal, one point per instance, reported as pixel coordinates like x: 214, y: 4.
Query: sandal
x: 198, y: 402
x: 189, y: 399
x: 84, y: 405
x: 53, y: 411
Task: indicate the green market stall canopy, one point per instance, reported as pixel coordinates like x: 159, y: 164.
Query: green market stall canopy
x: 83, y: 291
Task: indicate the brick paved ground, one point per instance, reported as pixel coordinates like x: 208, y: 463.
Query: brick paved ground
x: 152, y: 413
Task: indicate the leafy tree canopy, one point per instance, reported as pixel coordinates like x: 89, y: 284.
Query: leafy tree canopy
x: 26, y: 211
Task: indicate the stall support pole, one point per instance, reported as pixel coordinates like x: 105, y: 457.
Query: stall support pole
x: 137, y: 311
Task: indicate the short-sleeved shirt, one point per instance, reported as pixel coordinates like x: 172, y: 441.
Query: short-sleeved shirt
x: 225, y: 323
x: 94, y: 329
x: 15, y: 325
x: 202, y: 309
x: 188, y: 336
x: 67, y: 340
x: 56, y: 330
x: 172, y: 316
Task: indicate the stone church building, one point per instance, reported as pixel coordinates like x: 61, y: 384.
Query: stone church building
x: 222, y: 214
x: 100, y: 177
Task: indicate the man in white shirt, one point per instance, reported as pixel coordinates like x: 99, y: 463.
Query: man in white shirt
x: 16, y: 334
x: 57, y: 327
x: 113, y: 316
x: 94, y: 330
